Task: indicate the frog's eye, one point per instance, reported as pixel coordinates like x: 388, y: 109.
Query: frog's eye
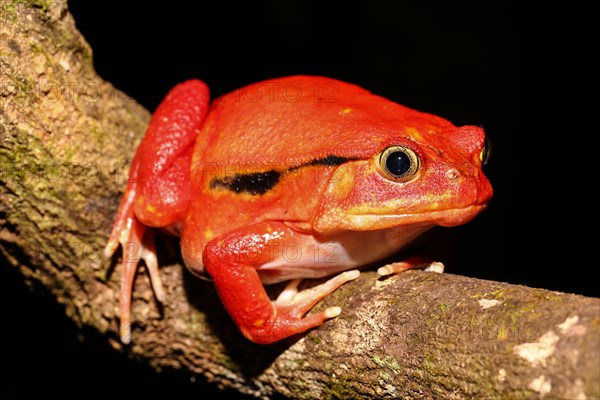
x: 486, y: 152
x: 398, y: 163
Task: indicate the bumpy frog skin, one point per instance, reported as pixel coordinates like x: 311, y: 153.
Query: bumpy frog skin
x: 291, y: 178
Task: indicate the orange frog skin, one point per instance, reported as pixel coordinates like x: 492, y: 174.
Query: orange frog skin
x: 291, y: 178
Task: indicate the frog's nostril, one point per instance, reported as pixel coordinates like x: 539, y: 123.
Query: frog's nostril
x: 452, y: 174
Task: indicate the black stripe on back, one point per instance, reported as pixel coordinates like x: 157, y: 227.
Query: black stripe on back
x: 330, y: 161
x: 259, y: 183
x: 256, y: 183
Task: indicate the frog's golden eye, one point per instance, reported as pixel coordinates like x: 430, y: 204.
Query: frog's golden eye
x: 486, y: 152
x: 398, y: 163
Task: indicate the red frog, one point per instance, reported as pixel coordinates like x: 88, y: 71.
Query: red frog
x: 286, y: 179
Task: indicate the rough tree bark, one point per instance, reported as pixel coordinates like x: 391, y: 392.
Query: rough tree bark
x: 66, y: 139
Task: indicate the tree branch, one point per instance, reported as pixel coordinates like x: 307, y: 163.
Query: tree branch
x: 66, y: 141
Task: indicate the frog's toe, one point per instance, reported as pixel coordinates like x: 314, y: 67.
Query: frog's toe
x: 287, y: 295
x: 394, y: 268
x: 148, y: 254
x: 414, y: 262
x: 435, y: 266
x: 297, y: 303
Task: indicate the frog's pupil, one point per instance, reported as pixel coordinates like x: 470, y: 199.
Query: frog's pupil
x: 398, y: 163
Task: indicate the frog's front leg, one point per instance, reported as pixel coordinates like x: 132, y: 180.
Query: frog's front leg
x: 158, y: 188
x: 232, y: 261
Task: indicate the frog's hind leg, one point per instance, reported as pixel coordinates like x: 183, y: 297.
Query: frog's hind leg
x: 165, y: 154
x: 157, y: 191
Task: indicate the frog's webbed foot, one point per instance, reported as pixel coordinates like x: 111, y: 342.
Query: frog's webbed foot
x: 137, y: 242
x: 293, y: 304
x: 414, y: 262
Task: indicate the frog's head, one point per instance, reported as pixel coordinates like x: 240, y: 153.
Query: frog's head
x: 426, y: 176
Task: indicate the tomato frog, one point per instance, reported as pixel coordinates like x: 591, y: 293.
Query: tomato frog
x: 290, y: 178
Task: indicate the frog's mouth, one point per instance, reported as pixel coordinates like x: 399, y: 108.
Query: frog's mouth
x: 363, y: 221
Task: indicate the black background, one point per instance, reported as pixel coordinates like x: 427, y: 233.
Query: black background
x: 523, y: 74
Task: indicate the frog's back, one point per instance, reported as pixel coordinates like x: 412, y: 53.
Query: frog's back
x: 298, y: 119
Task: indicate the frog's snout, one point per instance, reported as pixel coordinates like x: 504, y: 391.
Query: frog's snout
x: 470, y: 181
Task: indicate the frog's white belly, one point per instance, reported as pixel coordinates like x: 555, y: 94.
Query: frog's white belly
x: 310, y: 257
